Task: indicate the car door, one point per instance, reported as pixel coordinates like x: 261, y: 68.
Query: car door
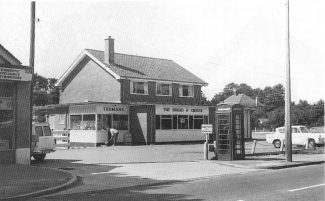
x: 303, y: 134
x: 298, y: 137
x: 48, y: 138
x: 41, y: 144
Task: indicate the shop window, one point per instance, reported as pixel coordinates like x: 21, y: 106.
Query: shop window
x: 186, y: 90
x: 104, y: 121
x: 120, y: 122
x: 198, y: 121
x: 6, y: 116
x: 7, y: 134
x: 191, y: 122
x: 6, y: 90
x: 182, y: 122
x: 52, y: 121
x: 166, y: 122
x: 61, y: 119
x: 164, y: 89
x: 139, y: 87
x: 88, y: 122
x: 75, y: 122
x: 100, y: 122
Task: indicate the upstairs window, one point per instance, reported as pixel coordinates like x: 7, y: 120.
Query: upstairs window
x: 186, y: 90
x: 164, y: 89
x: 139, y: 87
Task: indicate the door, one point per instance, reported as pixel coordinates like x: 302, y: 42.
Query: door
x: 144, y: 125
x: 223, y: 136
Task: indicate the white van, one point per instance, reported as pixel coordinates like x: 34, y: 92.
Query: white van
x: 42, y: 141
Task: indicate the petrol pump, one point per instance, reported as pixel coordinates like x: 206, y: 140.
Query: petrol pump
x: 230, y: 144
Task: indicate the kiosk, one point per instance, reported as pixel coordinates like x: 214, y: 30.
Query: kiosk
x: 230, y: 132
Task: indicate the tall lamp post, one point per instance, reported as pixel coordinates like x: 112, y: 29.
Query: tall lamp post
x: 288, y: 139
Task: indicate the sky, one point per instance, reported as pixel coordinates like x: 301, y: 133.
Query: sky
x: 220, y: 41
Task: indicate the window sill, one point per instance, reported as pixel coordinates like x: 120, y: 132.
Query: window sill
x: 164, y: 95
x: 139, y: 94
x: 186, y: 96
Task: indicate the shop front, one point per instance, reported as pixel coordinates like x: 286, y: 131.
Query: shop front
x: 89, y: 123
x: 180, y: 122
x: 14, y: 114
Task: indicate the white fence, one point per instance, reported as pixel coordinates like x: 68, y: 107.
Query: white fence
x: 62, y: 138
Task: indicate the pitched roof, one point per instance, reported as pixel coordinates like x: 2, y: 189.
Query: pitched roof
x: 139, y: 67
x: 240, y: 99
x: 11, y: 56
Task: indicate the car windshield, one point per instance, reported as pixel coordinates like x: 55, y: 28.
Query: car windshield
x: 47, y: 131
x: 304, y: 130
x: 38, y: 130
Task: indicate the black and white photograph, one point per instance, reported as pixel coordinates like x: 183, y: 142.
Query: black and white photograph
x: 184, y: 100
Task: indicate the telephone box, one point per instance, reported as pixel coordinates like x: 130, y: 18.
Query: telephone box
x: 230, y: 132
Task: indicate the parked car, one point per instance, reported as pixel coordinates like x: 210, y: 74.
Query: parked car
x: 300, y: 134
x: 43, y: 141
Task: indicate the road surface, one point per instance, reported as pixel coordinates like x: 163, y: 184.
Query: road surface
x: 300, y: 183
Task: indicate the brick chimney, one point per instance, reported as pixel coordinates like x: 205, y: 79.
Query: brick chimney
x: 109, y: 50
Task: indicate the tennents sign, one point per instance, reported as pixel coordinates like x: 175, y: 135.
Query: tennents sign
x: 15, y: 74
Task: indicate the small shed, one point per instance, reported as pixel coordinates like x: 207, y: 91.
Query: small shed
x: 249, y: 105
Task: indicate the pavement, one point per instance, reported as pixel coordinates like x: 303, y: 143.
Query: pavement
x: 162, y: 163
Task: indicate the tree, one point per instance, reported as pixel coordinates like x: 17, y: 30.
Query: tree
x: 273, y: 99
x: 44, y: 91
x: 245, y: 89
x: 204, y: 100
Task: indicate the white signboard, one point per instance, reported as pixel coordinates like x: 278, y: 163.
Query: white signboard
x: 15, y: 74
x: 181, y: 109
x: 224, y: 109
x: 206, y: 128
x: 112, y: 109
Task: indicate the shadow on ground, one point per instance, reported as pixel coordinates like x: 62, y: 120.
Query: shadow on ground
x: 125, y: 194
x: 99, y: 187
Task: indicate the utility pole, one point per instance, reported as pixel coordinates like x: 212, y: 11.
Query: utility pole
x: 32, y: 36
x: 31, y: 63
x: 288, y: 139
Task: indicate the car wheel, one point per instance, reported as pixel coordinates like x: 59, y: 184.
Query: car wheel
x: 311, y: 144
x: 39, y: 157
x: 277, y: 143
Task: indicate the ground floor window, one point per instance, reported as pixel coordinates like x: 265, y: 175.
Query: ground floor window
x: 166, y: 122
x: 82, y: 122
x: 7, y: 135
x: 121, y: 122
x: 106, y: 121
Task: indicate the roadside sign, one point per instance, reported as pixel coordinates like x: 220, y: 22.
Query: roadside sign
x: 206, y: 128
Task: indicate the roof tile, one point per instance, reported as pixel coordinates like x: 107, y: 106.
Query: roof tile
x: 132, y: 66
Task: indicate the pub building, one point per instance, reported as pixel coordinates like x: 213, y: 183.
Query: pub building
x: 149, y: 100
x: 15, y: 109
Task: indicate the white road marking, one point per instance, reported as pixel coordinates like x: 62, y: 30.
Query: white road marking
x: 298, y: 189
x: 99, y: 173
